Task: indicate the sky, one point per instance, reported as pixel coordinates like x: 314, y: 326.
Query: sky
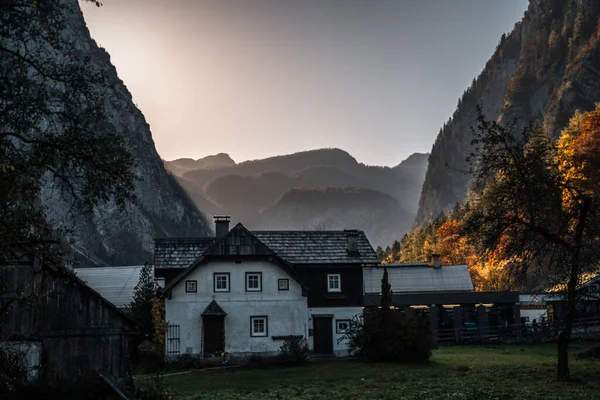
x: 258, y: 78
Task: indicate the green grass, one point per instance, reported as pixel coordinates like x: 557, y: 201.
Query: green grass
x: 474, y: 372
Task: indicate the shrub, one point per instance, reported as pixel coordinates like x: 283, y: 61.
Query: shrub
x: 150, y: 356
x: 294, y: 350
x: 13, y: 373
x: 152, y: 389
x: 391, y: 337
x: 186, y: 362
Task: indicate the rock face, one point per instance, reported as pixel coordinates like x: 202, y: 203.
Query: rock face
x: 544, y: 70
x: 162, y: 209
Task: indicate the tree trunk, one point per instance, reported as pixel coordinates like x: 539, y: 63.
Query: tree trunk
x: 564, y: 336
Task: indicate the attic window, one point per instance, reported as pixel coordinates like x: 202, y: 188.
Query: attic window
x: 191, y: 286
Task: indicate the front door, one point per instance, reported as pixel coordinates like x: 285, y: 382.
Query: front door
x: 323, y: 334
x: 214, y: 335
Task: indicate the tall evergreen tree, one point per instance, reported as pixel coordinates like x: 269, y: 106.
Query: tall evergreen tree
x: 145, y: 292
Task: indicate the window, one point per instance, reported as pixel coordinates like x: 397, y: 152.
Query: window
x: 334, y: 283
x: 259, y: 326
x: 191, y: 286
x: 221, y: 282
x: 342, y: 325
x: 253, y: 281
x: 283, y: 284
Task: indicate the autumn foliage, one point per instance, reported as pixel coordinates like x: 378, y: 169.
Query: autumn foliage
x: 575, y: 163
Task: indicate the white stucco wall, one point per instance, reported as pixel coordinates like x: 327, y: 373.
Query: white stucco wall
x: 287, y: 311
x: 339, y: 313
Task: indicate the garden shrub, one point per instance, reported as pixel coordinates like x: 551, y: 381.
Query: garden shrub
x: 294, y: 350
x: 389, y: 336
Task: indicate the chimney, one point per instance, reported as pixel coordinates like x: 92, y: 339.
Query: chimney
x: 221, y: 225
x: 434, y: 261
x: 352, y: 241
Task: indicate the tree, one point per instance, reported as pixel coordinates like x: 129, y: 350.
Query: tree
x: 386, y: 295
x: 535, y: 208
x: 144, y: 294
x: 55, y: 140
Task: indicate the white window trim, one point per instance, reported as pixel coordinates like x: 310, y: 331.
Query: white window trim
x: 339, y: 279
x: 266, y: 325
x: 195, y: 283
x: 286, y: 280
x: 337, y: 325
x: 248, y: 275
x: 216, y: 275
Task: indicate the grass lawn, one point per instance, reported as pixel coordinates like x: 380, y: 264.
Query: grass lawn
x: 473, y: 372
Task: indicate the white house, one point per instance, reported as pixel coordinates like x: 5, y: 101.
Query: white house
x: 245, y: 292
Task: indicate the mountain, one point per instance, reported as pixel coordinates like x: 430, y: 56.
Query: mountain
x: 162, y: 208
x: 378, y: 214
x: 182, y: 165
x: 544, y: 70
x: 327, y: 188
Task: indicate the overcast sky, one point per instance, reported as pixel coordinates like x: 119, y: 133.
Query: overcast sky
x: 257, y: 78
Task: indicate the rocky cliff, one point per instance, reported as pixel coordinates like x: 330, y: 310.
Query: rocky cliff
x: 544, y: 70
x: 111, y: 236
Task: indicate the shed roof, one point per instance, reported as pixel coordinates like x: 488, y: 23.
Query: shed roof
x: 419, y: 278
x: 115, y: 284
x: 317, y: 247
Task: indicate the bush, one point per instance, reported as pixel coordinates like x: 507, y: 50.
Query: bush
x: 294, y: 350
x: 150, y: 356
x: 391, y: 337
x: 13, y: 373
x: 152, y: 389
x: 186, y: 362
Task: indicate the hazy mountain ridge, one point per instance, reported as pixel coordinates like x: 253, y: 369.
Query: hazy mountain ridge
x: 544, y: 70
x: 111, y: 236
x: 327, y: 188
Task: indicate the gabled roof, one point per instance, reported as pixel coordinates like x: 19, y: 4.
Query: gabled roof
x: 115, y: 284
x: 317, y: 247
x: 213, y: 310
x: 295, y: 247
x: 179, y: 252
x: 239, y: 241
x: 419, y: 278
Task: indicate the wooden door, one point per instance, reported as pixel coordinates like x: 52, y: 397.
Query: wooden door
x: 323, y: 334
x: 214, y: 335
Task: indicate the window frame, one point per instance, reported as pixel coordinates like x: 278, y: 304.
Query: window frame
x: 287, y: 287
x: 266, y: 325
x: 337, y: 326
x: 339, y: 280
x: 260, y: 286
x: 219, y: 274
x: 195, y: 282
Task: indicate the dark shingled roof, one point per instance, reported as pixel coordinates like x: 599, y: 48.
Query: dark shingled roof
x: 317, y: 247
x: 179, y: 252
x: 213, y: 309
x: 295, y: 247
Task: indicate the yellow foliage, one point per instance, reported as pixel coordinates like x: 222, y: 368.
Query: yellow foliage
x: 158, y: 321
x: 578, y: 157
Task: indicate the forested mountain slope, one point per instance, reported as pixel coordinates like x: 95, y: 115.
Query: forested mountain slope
x: 544, y: 70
